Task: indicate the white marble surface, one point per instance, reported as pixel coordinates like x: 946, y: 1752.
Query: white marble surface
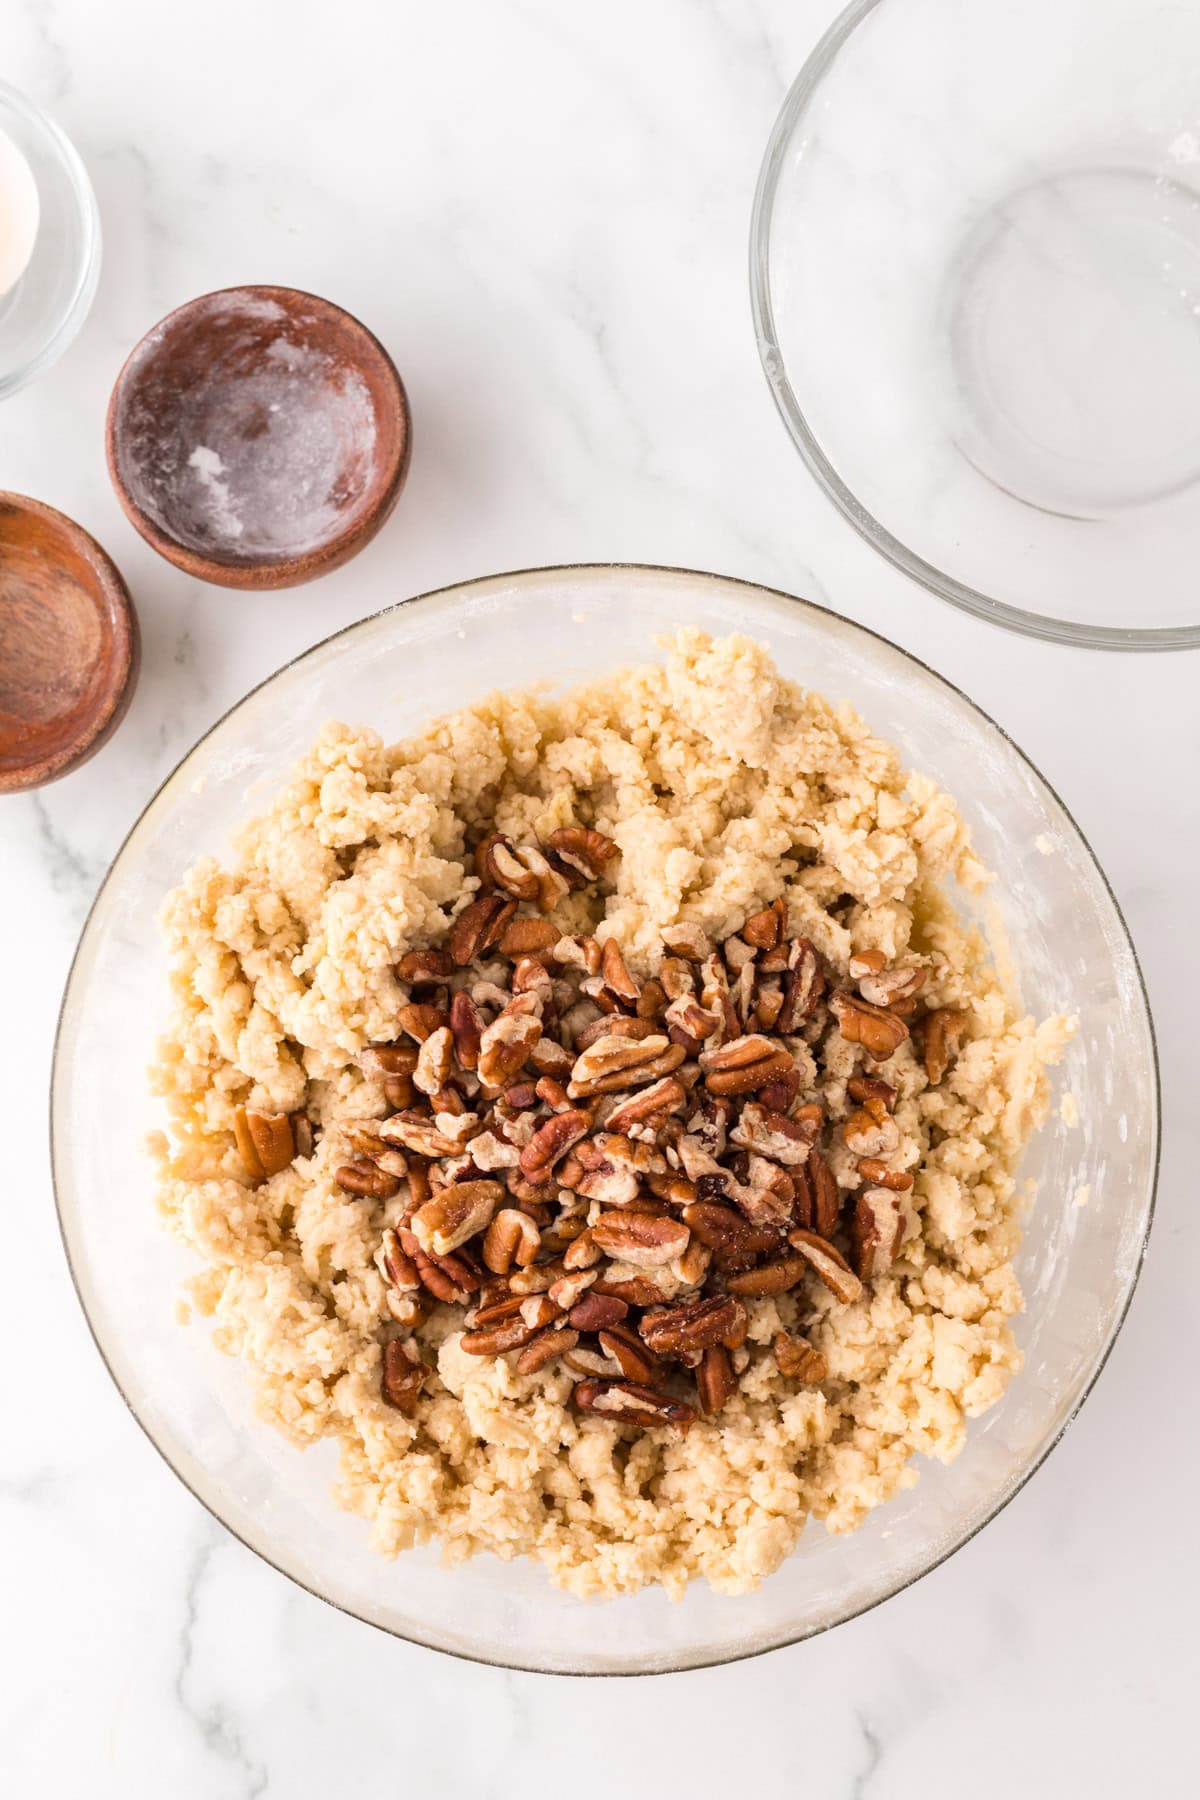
x: 542, y: 209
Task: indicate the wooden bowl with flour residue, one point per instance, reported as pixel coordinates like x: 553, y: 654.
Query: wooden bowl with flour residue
x: 258, y: 437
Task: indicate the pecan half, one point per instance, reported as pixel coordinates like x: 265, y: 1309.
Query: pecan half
x: 499, y: 866
x: 640, y: 1238
x: 264, y: 1140
x: 458, y: 1213
x: 629, y: 1403
x: 479, y: 927
x: 768, y: 1278
x: 551, y: 1342
x: 743, y: 1064
x: 506, y: 1043
x: 551, y: 1141
x: 627, y: 1350
x: 511, y: 1237
x: 419, y: 1020
x: 596, y: 1312
x: 717, y: 1319
x: 367, y: 1180
x: 715, y: 1379
x: 652, y: 1104
x: 615, y: 975
x: 528, y: 937
x: 879, y: 1032
x: 614, y: 1062
x: 828, y: 1263
x: 879, y: 1175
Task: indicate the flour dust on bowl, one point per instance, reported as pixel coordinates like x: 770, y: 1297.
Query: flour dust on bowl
x: 975, y: 272
x: 1078, y: 1261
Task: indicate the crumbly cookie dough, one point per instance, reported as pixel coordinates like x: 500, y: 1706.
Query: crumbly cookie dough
x: 724, y: 786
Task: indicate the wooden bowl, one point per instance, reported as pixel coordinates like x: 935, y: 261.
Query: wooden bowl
x: 69, y: 644
x: 258, y: 437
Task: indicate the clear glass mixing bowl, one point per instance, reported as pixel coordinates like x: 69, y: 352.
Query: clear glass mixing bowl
x: 975, y: 276
x: 395, y: 671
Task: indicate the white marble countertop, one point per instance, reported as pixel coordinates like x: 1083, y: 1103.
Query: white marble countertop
x: 542, y: 209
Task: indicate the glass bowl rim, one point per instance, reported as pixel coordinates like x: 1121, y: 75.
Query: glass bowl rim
x: 465, y: 588
x: 88, y: 275
x: 937, y: 581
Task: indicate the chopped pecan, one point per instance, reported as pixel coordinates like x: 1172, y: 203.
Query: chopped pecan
x: 506, y: 1043
x: 879, y: 1175
x: 420, y: 968
x: 774, y: 1277
x: 654, y: 1104
x: 715, y: 1379
x: 640, y: 1238
x: 828, y: 1263
x: 455, y: 1215
x: 870, y: 1132
x: 944, y: 1032
x: 798, y: 1359
x: 879, y: 1032
x: 528, y: 937
x: 403, y: 1374
x: 892, y: 986
x: 694, y: 1325
x: 627, y: 1350
x: 479, y: 927
x: 419, y: 1133
x: 876, y: 1231
x: 614, y: 1062
x: 552, y: 1140
x: 435, y: 1061
x: 466, y: 1026
x: 615, y: 975
x: 397, y: 1269
x: 551, y: 1342
x: 803, y: 987
x: 499, y: 866
x: 419, y: 1020
x: 688, y: 940
x: 620, y: 1026
x: 596, y: 1312
x: 629, y: 1403
x: 772, y: 1134
x: 818, y: 1197
x: 512, y: 1237
x: 585, y: 852
x: 379, y: 1061
x: 570, y: 1288
x: 869, y: 1087
x: 767, y: 929
x: 743, y: 1064
x: 497, y: 1340
x: 264, y: 1140
x: 367, y: 1180
x: 866, y: 962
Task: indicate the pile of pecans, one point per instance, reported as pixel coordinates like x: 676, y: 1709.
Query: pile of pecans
x: 604, y: 1171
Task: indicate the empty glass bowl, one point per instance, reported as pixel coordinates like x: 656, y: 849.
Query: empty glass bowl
x: 45, y: 307
x: 975, y: 271
x: 395, y: 671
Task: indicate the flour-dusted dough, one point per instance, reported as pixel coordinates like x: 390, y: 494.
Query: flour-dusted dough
x: 724, y: 785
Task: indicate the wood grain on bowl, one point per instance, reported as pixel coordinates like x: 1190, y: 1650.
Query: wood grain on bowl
x: 69, y: 644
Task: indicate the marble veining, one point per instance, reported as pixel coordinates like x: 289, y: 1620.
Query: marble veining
x: 543, y: 211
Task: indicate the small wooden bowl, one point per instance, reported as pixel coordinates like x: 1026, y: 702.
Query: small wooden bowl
x: 258, y: 437
x: 69, y: 644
